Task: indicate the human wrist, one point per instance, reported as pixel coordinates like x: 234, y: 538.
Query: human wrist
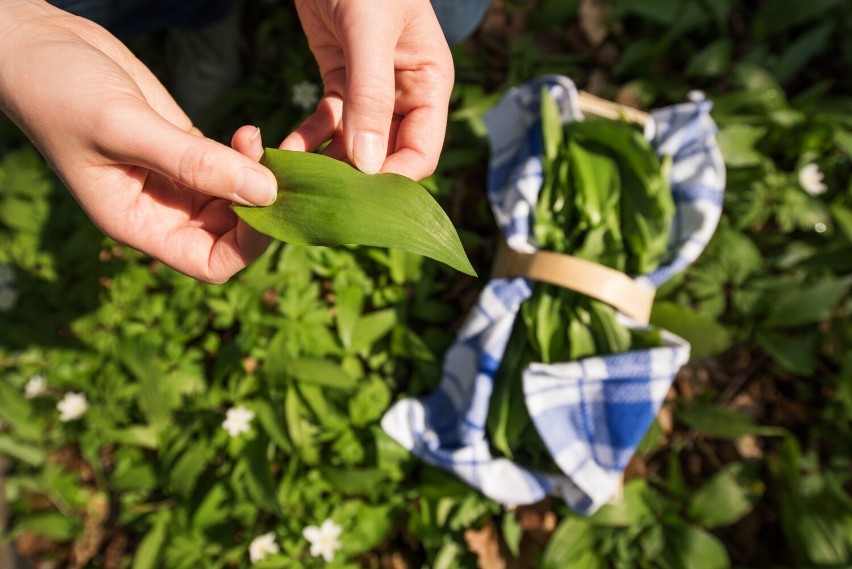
x: 22, y: 24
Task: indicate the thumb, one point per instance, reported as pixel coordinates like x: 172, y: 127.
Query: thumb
x: 369, y: 46
x: 199, y: 163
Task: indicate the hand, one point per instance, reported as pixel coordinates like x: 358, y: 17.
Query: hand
x: 123, y: 147
x: 387, y: 74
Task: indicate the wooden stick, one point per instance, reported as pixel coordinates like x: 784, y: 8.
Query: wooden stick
x: 593, y: 105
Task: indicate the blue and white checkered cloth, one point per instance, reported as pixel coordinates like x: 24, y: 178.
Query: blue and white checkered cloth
x: 591, y: 413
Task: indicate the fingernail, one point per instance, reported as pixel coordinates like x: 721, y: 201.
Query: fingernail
x: 255, y: 188
x: 368, y: 151
x: 255, y: 134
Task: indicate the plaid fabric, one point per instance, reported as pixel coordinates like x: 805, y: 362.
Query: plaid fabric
x: 590, y: 413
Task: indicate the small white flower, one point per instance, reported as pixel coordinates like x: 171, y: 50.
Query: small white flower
x: 820, y: 227
x: 262, y: 547
x: 305, y: 95
x: 696, y: 96
x: 238, y: 420
x: 72, y: 406
x: 7, y: 274
x: 35, y: 387
x: 810, y: 178
x: 8, y: 298
x: 324, y: 542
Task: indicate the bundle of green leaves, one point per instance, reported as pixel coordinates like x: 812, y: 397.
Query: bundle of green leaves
x: 604, y: 198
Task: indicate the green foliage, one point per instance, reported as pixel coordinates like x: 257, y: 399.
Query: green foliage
x: 751, y: 450
x: 323, y: 201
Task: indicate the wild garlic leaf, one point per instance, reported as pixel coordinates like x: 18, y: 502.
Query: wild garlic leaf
x: 323, y: 201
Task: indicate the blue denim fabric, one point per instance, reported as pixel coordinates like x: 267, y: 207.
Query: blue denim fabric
x: 458, y: 18
x: 128, y: 17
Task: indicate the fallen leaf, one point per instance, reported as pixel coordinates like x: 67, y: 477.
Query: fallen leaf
x: 485, y: 544
x: 593, y: 20
x: 89, y: 542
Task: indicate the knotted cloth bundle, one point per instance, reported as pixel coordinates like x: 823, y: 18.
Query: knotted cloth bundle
x: 590, y: 413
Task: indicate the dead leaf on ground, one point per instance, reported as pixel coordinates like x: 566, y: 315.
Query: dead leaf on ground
x: 89, y: 542
x: 394, y: 560
x: 114, y: 551
x: 593, y: 20
x: 485, y: 544
x: 537, y: 520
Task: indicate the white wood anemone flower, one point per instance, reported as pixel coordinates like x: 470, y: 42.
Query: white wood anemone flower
x: 323, y: 539
x: 810, y: 178
x: 72, y: 406
x: 35, y: 387
x: 262, y: 547
x: 238, y: 420
x: 305, y: 95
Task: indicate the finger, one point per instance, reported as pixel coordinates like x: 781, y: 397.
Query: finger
x: 419, y: 141
x: 318, y: 128
x: 199, y: 163
x: 369, y: 95
x: 234, y: 251
x: 336, y: 150
x: 247, y: 141
x: 213, y: 258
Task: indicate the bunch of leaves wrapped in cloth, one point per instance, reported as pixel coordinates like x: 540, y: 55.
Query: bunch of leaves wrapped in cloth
x: 605, y: 198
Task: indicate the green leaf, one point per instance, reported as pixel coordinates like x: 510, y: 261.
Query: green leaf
x: 371, y: 328
x: 52, y: 526
x: 188, y: 468
x: 630, y: 510
x: 214, y: 508
x: 370, y: 402
x: 842, y: 214
x: 130, y: 476
x: 823, y: 538
x: 706, y: 336
x: 350, y: 302
x: 712, y: 60
x: 364, y: 481
x: 551, y: 126
x: 259, y: 482
x: 722, y: 422
x: 151, y: 548
x: 154, y: 396
x: 689, y: 547
x: 803, y: 50
x: 23, y: 452
x: 299, y: 429
x: 272, y: 422
x: 737, y: 143
x: 573, y: 538
x: 808, y: 305
x: 843, y: 139
x: 781, y: 15
x: 367, y: 527
x: 513, y: 532
x: 323, y: 201
x: 320, y: 372
x: 722, y: 501
x: 794, y: 352
x: 16, y: 411
x: 143, y: 436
